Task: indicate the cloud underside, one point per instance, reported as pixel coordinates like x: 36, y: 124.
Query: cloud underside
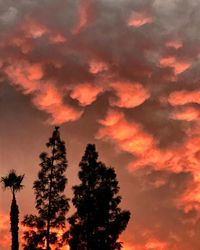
x: 142, y: 59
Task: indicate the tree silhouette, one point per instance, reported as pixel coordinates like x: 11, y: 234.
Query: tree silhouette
x: 13, y: 182
x: 98, y: 220
x: 51, y: 204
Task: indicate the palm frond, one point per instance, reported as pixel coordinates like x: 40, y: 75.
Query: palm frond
x: 12, y: 181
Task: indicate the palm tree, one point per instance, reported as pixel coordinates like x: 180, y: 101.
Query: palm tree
x: 13, y: 182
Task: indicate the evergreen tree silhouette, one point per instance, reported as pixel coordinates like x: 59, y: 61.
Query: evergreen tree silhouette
x: 13, y: 181
x: 98, y: 220
x: 51, y: 204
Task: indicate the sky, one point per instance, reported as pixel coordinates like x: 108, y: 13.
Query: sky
x: 122, y: 74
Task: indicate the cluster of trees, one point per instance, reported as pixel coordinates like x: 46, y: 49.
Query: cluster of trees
x: 97, y: 221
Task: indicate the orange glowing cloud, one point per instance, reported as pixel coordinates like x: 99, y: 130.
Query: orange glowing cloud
x: 57, y: 38
x: 129, y: 137
x: 50, y: 100
x: 150, y: 243
x: 190, y: 199
x: 24, y: 74
x: 172, y: 158
x: 112, y: 118
x: 129, y: 95
x: 21, y: 42
x: 138, y: 19
x: 46, y: 96
x: 96, y: 67
x: 52, y: 61
x: 184, y: 157
x: 173, y: 62
x: 34, y: 72
x: 128, y: 247
x: 33, y: 29
x: 156, y: 158
x: 184, y: 97
x: 154, y: 244
x: 176, y: 44
x: 27, y: 31
x: 85, y: 93
x: 187, y: 114
x: 64, y: 113
x: 83, y: 17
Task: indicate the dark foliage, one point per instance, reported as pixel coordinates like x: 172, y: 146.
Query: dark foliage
x: 51, y: 204
x: 98, y: 220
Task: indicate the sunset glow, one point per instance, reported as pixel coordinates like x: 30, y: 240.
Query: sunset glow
x: 123, y: 75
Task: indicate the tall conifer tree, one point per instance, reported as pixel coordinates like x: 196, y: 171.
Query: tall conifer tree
x: 98, y: 220
x: 51, y: 203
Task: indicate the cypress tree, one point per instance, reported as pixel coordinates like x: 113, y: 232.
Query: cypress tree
x: 51, y: 203
x: 98, y: 220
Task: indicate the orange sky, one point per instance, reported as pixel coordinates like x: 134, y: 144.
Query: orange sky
x: 123, y: 75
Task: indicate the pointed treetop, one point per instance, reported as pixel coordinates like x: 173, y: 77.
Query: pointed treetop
x: 55, y: 135
x: 56, y: 132
x: 90, y: 153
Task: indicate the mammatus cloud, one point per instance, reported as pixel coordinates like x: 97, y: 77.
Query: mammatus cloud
x: 129, y: 136
x: 180, y: 159
x: 186, y: 114
x: 129, y: 95
x: 184, y: 97
x: 28, y: 78
x: 175, y: 64
x: 50, y: 100
x: 86, y: 94
x: 137, y: 62
x: 24, y: 75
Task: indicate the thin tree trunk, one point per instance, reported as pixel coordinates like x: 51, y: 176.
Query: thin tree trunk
x: 48, y: 218
x: 14, y: 220
x: 49, y: 205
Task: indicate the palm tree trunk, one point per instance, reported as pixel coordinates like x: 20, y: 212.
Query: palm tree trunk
x: 14, y: 219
